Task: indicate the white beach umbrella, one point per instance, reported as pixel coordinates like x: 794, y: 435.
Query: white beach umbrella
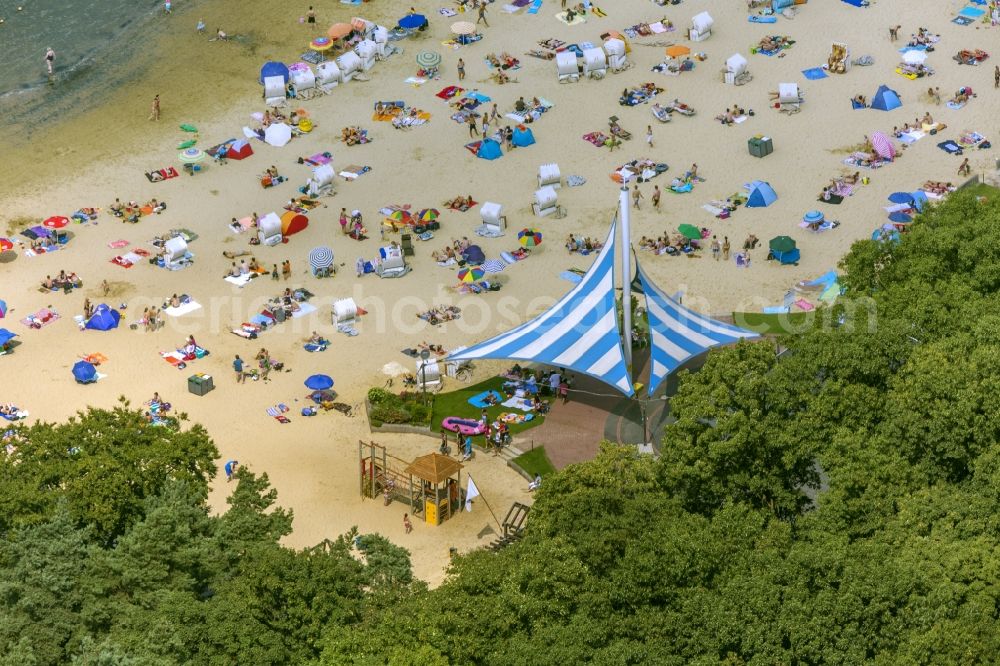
x: 278, y: 134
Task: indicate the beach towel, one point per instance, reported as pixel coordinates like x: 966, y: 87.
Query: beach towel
x: 43, y: 317
x: 596, y: 138
x: 240, y: 281
x: 278, y: 413
x: 353, y: 171
x: 165, y: 174
x: 954, y: 105
x: 118, y: 244
x: 319, y: 159
x: 510, y: 9
x: 94, y: 359
x: 972, y: 12
x: 304, y: 309
x: 857, y: 3
x: 479, y: 400
x: 183, y: 309
x: 754, y: 18
x: 834, y: 200
x: 570, y: 276
x: 462, y: 210
x: 814, y: 73
x: 959, y: 20
x: 535, y: 6
x: 447, y: 11
x: 951, y: 147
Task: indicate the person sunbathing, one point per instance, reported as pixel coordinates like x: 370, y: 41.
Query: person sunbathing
x: 859, y: 99
x: 853, y: 179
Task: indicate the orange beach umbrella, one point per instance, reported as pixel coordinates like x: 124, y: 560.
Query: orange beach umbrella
x: 339, y: 30
x: 677, y: 50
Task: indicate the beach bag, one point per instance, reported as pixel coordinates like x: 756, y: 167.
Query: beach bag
x: 308, y: 411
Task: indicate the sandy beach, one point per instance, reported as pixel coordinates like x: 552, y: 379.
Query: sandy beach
x: 103, y: 151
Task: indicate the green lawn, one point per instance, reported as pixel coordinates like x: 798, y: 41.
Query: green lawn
x: 789, y: 322
x: 535, y: 462
x: 456, y: 403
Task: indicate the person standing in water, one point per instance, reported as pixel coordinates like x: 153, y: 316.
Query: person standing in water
x: 155, y: 112
x: 50, y: 57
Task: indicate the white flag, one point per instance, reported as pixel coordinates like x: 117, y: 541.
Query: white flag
x: 470, y: 493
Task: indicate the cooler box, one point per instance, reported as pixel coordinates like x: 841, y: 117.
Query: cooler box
x: 760, y: 146
x: 200, y: 384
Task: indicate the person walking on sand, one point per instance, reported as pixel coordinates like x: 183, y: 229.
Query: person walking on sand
x: 656, y: 197
x: 716, y: 248
x: 155, y: 111
x: 636, y: 195
x: 649, y: 135
x: 407, y: 525
x: 311, y: 16
x: 964, y: 169
x: 473, y: 130
x: 996, y: 76
x: 725, y: 248
x: 238, y: 369
x: 50, y: 57
x: 482, y: 14
x: 894, y: 33
x: 461, y: 69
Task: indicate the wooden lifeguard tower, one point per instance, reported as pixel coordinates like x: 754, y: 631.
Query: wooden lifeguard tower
x: 431, y: 485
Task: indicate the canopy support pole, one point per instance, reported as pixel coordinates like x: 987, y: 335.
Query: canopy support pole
x: 626, y: 250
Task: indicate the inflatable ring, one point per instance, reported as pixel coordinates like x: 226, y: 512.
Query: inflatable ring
x: 661, y: 167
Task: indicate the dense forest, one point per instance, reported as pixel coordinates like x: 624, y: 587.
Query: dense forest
x: 837, y: 505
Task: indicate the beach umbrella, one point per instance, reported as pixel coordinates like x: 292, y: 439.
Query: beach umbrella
x: 412, y: 21
x: 428, y: 215
x: 277, y: 134
x: 339, y: 30
x: 463, y: 28
x: 321, y: 44
x: 428, y: 59
x: 901, y: 218
x: 689, y: 231
x: 56, y: 222
x: 812, y: 217
x: 494, y: 265
x: 529, y: 237
x: 191, y: 155
x: 914, y: 57
x: 677, y: 50
x: 882, y: 145
x: 320, y: 258
x: 400, y: 217
x: 272, y: 68
x: 901, y: 198
x: 292, y: 223
x: 319, y: 382
x: 781, y: 244
x: 3, y: 309
x: 84, y: 372
x: 473, y: 274
x: 6, y: 244
x: 6, y: 336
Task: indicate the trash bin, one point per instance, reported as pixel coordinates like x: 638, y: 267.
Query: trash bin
x: 200, y: 384
x: 760, y: 146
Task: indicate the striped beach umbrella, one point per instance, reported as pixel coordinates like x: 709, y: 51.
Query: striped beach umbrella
x: 428, y: 215
x: 6, y: 244
x: 56, y: 222
x: 320, y: 258
x: 882, y: 145
x: 400, y: 217
x: 494, y: 265
x: 427, y: 59
x: 191, y: 155
x: 473, y: 274
x: 321, y: 44
x: 529, y: 237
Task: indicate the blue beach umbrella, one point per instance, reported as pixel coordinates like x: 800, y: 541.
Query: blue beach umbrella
x: 319, y: 382
x: 901, y: 198
x: 84, y: 372
x: 412, y: 21
x: 902, y: 218
x: 813, y: 216
x: 6, y: 336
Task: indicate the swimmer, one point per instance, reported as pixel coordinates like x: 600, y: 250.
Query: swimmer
x: 201, y: 26
x: 50, y: 57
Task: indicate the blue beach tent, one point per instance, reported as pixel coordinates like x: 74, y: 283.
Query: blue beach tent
x: 103, y: 319
x: 886, y: 99
x: 761, y: 195
x: 489, y: 150
x: 522, y: 137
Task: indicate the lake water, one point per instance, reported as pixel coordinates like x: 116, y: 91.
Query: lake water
x: 93, y: 41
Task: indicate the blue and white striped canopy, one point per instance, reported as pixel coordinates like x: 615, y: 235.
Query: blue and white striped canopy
x: 580, y: 332
x: 678, y: 334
